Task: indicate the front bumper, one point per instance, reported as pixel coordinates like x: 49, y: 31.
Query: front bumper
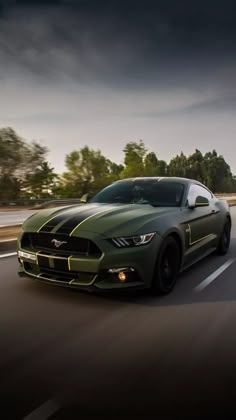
x: 94, y: 273
x: 92, y: 287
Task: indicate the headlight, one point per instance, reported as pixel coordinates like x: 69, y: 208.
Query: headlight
x: 132, y: 240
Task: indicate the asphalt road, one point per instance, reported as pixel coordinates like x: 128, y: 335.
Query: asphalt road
x: 8, y: 218
x: 70, y: 355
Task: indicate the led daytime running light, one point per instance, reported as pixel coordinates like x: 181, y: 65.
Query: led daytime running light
x: 133, y: 240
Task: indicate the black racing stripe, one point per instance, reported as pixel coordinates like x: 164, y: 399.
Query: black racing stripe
x: 68, y: 226
x: 53, y: 223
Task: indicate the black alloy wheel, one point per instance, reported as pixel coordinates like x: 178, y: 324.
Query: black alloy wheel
x: 167, y: 267
x: 224, y: 241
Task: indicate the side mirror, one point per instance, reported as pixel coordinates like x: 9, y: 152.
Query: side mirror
x: 84, y: 198
x: 199, y: 202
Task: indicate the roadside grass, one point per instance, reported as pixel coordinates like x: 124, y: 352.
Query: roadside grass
x: 232, y: 202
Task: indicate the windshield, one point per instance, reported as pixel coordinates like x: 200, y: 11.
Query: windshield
x: 153, y: 192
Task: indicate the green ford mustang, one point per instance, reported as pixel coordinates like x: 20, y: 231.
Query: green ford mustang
x: 135, y: 233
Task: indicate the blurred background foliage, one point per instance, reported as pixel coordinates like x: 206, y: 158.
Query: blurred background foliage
x: 26, y: 173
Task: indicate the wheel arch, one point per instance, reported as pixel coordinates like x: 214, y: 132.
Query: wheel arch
x: 156, y: 286
x: 177, y: 237
x: 228, y: 218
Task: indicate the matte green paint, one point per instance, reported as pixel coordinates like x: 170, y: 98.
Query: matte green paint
x: 197, y: 231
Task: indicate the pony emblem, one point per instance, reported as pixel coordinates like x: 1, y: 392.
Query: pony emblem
x: 57, y: 243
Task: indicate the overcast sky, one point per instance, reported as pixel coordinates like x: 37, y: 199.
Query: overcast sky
x: 102, y: 73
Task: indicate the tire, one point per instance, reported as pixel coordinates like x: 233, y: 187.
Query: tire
x: 224, y: 241
x: 167, y: 267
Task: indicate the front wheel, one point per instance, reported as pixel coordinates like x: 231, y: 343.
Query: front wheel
x: 224, y: 241
x: 167, y: 267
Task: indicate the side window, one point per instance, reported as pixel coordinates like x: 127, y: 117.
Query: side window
x: 196, y: 190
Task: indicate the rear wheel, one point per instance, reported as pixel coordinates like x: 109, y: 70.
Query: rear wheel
x: 167, y: 267
x: 224, y: 242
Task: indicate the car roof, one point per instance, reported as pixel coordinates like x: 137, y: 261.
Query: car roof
x: 185, y: 181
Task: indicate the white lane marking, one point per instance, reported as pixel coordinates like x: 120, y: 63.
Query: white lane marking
x: 214, y: 275
x: 10, y: 254
x: 43, y: 412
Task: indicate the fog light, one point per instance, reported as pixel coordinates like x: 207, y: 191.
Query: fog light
x: 122, y: 276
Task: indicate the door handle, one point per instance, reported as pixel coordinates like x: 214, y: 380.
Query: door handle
x: 213, y: 212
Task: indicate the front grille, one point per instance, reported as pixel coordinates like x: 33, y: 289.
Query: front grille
x: 43, y: 261
x: 69, y: 246
x: 54, y: 275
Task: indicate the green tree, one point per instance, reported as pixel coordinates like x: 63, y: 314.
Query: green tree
x: 43, y: 182
x: 18, y: 161
x: 115, y: 170
x: 87, y: 172
x: 12, y: 151
x: 10, y: 187
x: 219, y: 177
x: 196, y: 167
x: 178, y: 166
x: 134, y: 159
x: 153, y: 166
x: 162, y: 168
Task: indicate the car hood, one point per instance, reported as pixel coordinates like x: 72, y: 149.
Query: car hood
x: 104, y: 219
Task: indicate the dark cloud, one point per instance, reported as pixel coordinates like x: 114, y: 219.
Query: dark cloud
x: 213, y: 106
x: 75, y: 72
x: 118, y: 42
